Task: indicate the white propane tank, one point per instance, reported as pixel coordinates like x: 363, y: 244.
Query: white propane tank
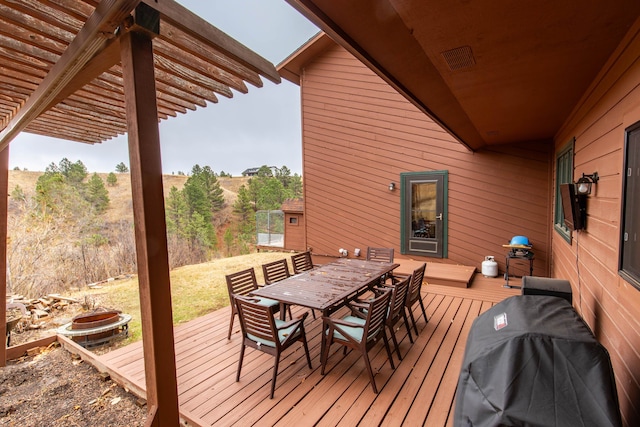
x: 489, y: 267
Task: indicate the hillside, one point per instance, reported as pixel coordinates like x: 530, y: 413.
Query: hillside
x: 121, y: 205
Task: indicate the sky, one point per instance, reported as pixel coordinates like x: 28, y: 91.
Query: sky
x: 261, y: 127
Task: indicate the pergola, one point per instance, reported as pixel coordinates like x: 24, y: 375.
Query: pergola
x: 89, y: 70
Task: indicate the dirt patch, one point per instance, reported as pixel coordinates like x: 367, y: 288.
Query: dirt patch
x: 53, y: 389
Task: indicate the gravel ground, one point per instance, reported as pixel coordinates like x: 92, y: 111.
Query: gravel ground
x: 54, y: 389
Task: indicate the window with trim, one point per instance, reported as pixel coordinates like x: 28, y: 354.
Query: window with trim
x: 630, y: 232
x: 564, y: 175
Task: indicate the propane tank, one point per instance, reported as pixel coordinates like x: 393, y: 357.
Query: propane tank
x: 489, y: 267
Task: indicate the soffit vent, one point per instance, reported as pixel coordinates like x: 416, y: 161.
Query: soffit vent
x: 459, y: 58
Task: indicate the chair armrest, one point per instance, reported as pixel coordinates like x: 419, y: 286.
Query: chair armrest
x: 341, y: 322
x: 292, y: 322
x: 358, y: 303
x: 398, y: 277
x: 249, y: 298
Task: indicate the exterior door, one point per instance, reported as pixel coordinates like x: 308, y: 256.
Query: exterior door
x: 424, y: 213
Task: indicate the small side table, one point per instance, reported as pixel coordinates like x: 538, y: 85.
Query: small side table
x: 521, y: 254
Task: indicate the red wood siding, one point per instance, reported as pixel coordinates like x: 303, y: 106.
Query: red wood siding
x: 610, y: 305
x: 359, y: 135
x: 294, y: 232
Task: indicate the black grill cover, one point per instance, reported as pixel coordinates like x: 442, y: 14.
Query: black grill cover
x: 532, y: 361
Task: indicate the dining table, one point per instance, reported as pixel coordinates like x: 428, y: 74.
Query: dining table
x: 329, y: 286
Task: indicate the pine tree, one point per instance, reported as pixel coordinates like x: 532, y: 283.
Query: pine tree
x: 97, y: 194
x: 18, y: 194
x: 112, y: 179
x: 196, y: 199
x: 74, y: 173
x: 122, y: 168
x: 205, y: 179
x: 244, y: 212
x: 228, y: 240
x: 177, y: 213
x: 271, y: 195
x: 295, y: 186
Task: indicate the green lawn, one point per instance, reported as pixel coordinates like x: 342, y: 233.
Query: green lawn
x: 195, y: 290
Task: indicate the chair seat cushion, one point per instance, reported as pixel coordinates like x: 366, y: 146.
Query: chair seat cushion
x: 266, y: 301
x: 283, y: 334
x: 353, y: 332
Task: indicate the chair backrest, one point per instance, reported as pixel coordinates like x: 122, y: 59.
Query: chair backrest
x: 399, y: 297
x: 275, y: 271
x: 301, y: 262
x: 376, y: 314
x: 241, y: 283
x: 416, y: 282
x: 380, y: 254
x: 256, y: 321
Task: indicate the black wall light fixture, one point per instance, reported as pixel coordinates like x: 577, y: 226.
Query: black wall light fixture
x: 583, y: 185
x: 574, y: 201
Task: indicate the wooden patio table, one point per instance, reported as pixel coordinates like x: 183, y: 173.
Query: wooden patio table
x: 327, y: 287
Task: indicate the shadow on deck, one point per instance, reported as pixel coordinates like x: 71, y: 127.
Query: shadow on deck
x: 420, y: 391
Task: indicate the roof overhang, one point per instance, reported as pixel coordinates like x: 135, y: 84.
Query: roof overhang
x: 489, y: 72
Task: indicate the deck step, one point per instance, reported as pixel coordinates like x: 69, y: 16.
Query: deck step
x: 438, y: 273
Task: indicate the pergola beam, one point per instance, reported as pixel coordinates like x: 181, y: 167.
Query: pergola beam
x: 100, y: 26
x: 189, y: 22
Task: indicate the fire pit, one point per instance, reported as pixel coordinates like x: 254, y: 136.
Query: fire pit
x: 96, y: 328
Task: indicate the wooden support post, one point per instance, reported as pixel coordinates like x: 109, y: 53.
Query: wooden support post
x: 4, y: 201
x: 150, y: 228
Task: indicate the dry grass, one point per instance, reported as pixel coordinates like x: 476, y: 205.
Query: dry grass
x: 121, y: 206
x: 195, y: 289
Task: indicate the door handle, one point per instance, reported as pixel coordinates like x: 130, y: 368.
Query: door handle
x: 439, y: 216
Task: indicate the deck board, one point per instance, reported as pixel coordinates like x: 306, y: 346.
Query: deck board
x: 420, y: 391
x: 439, y: 273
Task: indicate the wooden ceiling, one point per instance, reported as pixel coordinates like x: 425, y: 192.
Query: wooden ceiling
x: 490, y: 72
x: 60, y: 72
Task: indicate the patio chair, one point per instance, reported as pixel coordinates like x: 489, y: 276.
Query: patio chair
x: 243, y: 283
x: 414, y: 296
x: 396, y: 309
x: 381, y: 255
x: 360, y: 331
x: 275, y: 271
x: 262, y: 331
x: 302, y: 262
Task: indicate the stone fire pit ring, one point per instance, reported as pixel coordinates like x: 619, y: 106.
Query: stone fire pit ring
x: 96, y: 333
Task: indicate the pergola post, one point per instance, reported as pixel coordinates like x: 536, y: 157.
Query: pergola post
x: 150, y: 228
x: 4, y: 201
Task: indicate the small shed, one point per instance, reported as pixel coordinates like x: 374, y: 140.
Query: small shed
x: 294, y: 228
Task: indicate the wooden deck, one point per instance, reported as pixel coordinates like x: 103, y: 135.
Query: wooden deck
x: 420, y: 391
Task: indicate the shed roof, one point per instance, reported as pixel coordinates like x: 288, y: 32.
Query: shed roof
x: 61, y: 76
x: 293, y: 205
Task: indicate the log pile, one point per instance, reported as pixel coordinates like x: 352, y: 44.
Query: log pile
x: 37, y: 312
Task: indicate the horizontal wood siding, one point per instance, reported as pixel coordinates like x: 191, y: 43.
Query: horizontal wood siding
x: 294, y: 233
x: 359, y: 135
x: 610, y: 305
